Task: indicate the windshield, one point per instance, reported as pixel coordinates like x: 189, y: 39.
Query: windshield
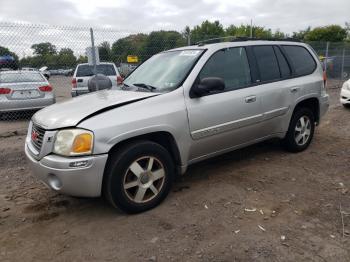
x: 21, y: 77
x: 164, y: 72
x: 87, y: 70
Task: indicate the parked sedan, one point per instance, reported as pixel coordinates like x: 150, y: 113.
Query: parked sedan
x: 24, y: 90
x: 345, y: 94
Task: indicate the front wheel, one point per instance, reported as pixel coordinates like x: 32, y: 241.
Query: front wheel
x: 301, y: 130
x: 138, y: 177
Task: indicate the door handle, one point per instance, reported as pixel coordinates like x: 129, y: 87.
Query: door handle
x: 294, y: 89
x: 250, y: 99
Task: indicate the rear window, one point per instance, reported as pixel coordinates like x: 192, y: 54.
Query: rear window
x: 267, y: 63
x: 301, y: 60
x: 21, y: 77
x: 284, y: 67
x: 88, y: 70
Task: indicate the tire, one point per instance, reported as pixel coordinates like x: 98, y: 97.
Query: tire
x: 134, y: 185
x: 346, y: 106
x: 293, y: 142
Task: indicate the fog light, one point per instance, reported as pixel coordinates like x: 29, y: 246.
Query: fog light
x: 82, y: 163
x: 54, y: 182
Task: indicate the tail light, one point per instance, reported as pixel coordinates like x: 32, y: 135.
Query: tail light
x: 5, y: 91
x: 47, y: 88
x: 74, y: 82
x: 119, y: 80
x: 324, y: 78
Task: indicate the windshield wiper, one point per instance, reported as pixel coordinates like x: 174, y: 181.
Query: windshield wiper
x: 145, y: 86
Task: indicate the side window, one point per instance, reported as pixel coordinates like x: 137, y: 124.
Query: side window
x: 231, y: 65
x: 282, y: 62
x: 267, y: 63
x: 301, y: 59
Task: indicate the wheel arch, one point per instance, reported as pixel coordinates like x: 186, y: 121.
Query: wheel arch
x: 312, y: 103
x: 164, y: 138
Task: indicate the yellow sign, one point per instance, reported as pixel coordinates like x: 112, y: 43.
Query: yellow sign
x: 132, y: 59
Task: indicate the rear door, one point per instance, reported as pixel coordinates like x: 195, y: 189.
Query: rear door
x: 274, y: 74
x: 222, y: 120
x: 85, y: 72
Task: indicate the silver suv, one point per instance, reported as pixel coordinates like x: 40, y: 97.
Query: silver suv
x: 179, y: 107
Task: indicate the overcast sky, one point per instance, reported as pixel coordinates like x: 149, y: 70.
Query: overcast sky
x: 130, y: 16
x: 287, y: 15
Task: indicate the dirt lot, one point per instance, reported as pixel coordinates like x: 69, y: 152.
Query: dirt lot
x: 209, y: 216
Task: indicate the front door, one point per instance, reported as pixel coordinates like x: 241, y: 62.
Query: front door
x: 221, y: 121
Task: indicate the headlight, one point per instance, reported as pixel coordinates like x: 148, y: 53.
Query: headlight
x: 73, y: 142
x: 346, y: 85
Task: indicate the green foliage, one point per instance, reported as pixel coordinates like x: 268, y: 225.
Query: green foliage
x: 105, y: 51
x: 130, y: 45
x: 332, y: 33
x: 43, y: 49
x: 207, y: 30
x: 257, y: 32
x: 146, y: 45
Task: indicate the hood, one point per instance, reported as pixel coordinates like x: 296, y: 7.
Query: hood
x: 44, y: 68
x: 71, y: 112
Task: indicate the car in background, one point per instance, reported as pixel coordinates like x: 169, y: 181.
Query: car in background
x: 345, y: 94
x: 43, y: 70
x: 84, y: 72
x: 8, y: 61
x: 335, y: 64
x: 24, y: 90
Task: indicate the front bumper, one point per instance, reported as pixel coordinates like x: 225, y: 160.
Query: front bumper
x: 345, y: 96
x: 58, y: 174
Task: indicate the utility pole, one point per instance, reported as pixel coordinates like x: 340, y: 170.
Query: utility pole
x: 251, y: 28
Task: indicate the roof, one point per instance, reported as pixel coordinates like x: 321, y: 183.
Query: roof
x: 237, y: 43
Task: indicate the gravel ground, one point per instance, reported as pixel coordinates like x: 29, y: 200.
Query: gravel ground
x: 256, y: 204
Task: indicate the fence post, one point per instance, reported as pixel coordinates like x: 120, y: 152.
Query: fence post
x: 93, y: 50
x: 342, y: 65
x: 326, y: 59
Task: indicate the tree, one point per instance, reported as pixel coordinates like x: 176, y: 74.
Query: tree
x: 207, y: 30
x: 158, y: 41
x: 332, y: 33
x: 300, y: 35
x: 105, y: 52
x: 130, y: 45
x: 44, y: 49
x: 244, y: 31
x: 66, y: 58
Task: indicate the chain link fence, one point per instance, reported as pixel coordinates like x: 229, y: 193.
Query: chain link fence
x: 37, y: 62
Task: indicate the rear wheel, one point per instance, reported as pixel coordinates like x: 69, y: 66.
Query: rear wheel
x: 301, y: 130
x: 138, y: 177
x: 346, y: 105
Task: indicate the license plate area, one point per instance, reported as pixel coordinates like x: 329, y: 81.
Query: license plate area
x: 25, y: 94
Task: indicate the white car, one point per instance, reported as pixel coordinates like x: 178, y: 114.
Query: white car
x: 42, y: 70
x: 345, y: 94
x: 84, y: 72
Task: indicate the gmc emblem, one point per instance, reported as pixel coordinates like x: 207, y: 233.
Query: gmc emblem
x: 35, y: 135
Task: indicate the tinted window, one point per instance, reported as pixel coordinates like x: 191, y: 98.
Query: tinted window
x: 282, y: 62
x: 301, y: 59
x: 87, y: 70
x: 267, y: 63
x: 231, y: 65
x: 21, y: 77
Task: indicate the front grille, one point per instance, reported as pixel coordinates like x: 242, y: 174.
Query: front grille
x: 37, y: 133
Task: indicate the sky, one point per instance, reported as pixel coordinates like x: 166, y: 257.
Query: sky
x: 132, y: 16
x: 286, y: 15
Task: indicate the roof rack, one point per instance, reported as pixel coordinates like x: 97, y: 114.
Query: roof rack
x: 242, y: 38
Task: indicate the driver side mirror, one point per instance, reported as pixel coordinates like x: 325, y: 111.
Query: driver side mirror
x: 206, y: 86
